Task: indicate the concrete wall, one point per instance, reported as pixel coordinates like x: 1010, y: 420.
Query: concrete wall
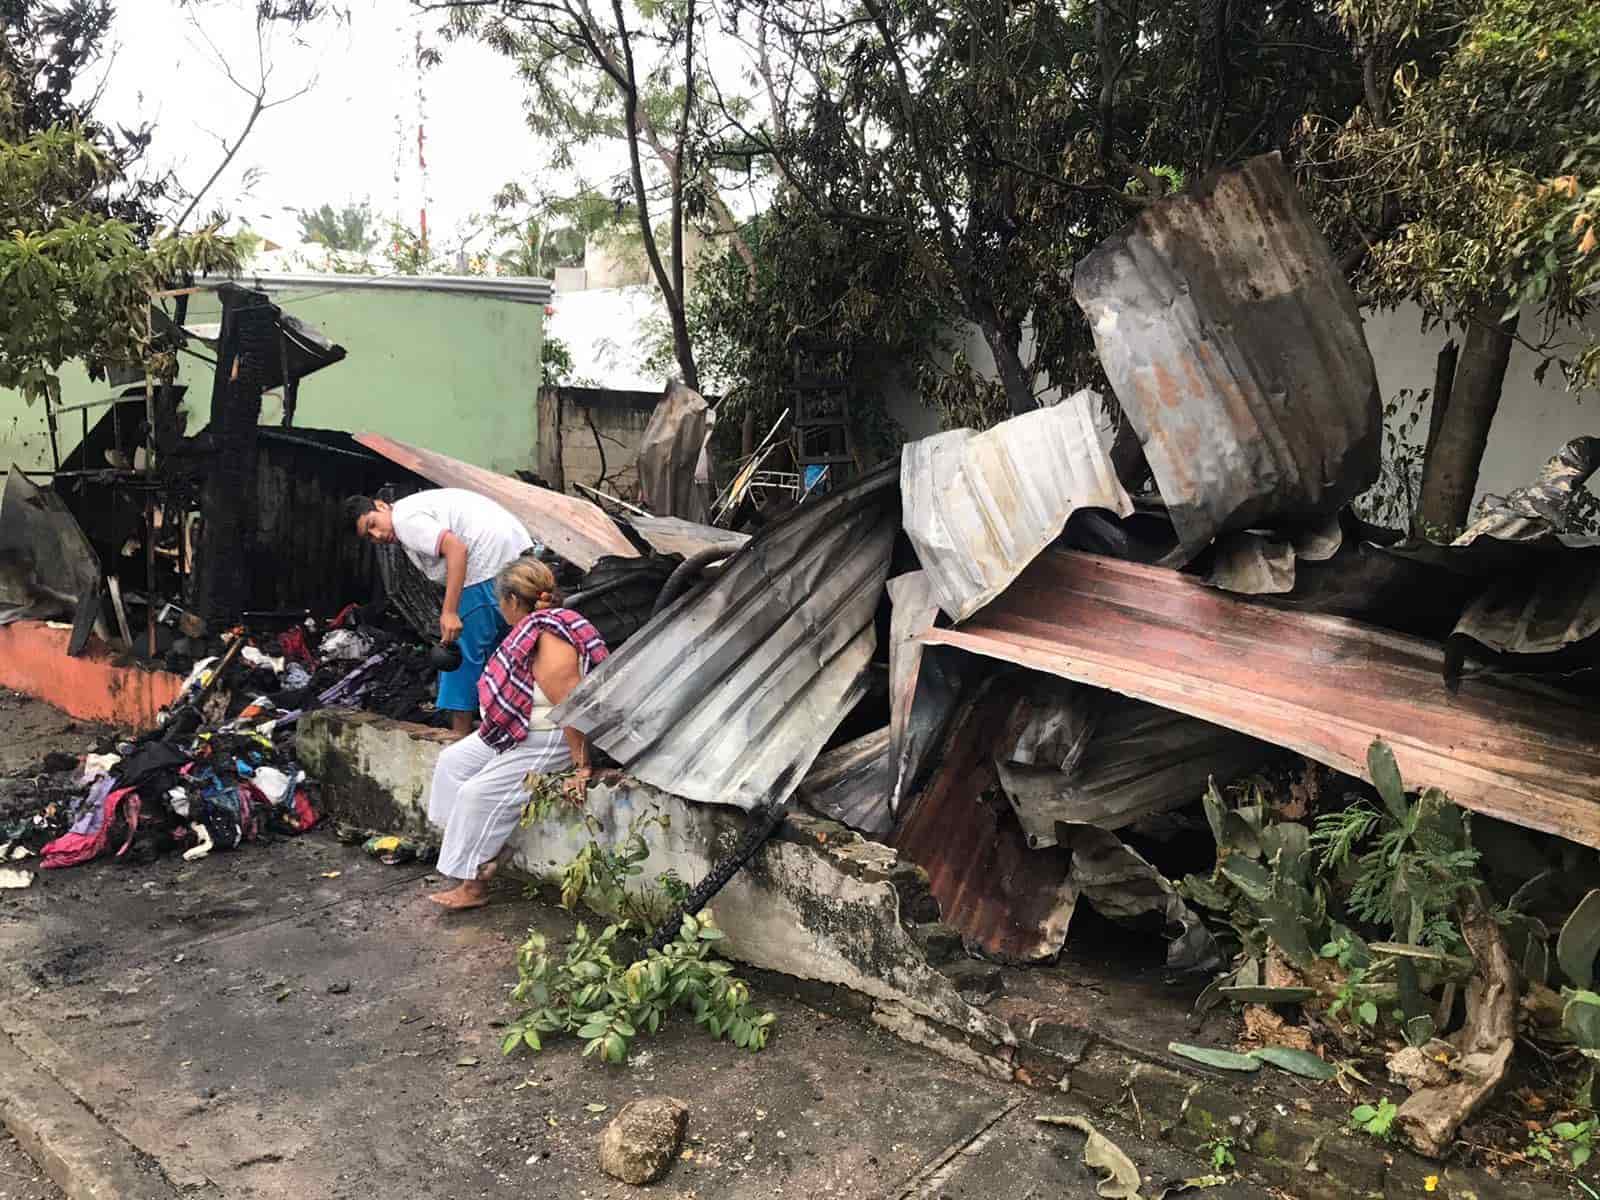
x: 454, y: 372
x: 818, y: 903
x: 589, y: 437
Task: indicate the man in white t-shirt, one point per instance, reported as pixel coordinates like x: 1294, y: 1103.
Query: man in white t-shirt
x: 460, y: 539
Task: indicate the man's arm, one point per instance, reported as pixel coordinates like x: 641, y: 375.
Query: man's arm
x: 454, y: 552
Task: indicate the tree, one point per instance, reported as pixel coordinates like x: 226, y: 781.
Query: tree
x: 349, y: 228
x: 82, y: 253
x: 633, y: 73
x: 1468, y: 183
x: 994, y: 144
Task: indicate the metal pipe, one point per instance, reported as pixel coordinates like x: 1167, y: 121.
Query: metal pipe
x: 678, y: 581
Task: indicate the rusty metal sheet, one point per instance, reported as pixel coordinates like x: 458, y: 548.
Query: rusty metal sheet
x: 1012, y: 902
x: 729, y: 694
x: 674, y: 535
x: 850, y: 783
x: 578, y: 531
x: 980, y: 506
x: 1236, y: 350
x: 1322, y: 686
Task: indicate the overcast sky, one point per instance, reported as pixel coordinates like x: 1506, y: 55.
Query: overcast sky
x: 339, y: 141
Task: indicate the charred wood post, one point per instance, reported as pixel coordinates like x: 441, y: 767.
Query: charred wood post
x: 247, y: 351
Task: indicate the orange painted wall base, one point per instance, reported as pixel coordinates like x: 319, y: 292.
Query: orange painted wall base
x: 34, y: 661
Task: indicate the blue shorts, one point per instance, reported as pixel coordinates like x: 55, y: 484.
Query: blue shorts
x: 481, y: 630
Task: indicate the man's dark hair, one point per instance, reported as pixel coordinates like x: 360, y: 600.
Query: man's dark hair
x: 356, y: 507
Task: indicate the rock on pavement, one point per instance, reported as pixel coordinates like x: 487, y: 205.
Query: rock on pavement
x: 641, y: 1142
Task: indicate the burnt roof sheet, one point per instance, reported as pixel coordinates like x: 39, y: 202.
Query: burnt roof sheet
x: 1323, y: 686
x: 1236, y: 350
x: 980, y: 506
x: 578, y: 531
x: 729, y: 694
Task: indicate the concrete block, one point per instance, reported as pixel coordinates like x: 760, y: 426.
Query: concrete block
x: 817, y: 903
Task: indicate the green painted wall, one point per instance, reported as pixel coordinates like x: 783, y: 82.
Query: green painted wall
x: 455, y: 373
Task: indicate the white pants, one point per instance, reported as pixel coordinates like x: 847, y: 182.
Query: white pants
x: 477, y: 795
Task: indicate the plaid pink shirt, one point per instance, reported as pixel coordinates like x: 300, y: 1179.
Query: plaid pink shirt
x: 505, y: 691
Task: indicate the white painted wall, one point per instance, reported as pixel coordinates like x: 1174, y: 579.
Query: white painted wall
x: 1534, y: 420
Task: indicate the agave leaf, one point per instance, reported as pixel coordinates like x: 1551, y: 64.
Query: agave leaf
x: 1385, y: 773
x: 1581, y: 1019
x: 1296, y: 1062
x: 1287, y: 845
x: 1419, y: 1030
x: 1536, y: 961
x: 1248, y: 875
x: 1580, y: 941
x: 1216, y: 814
x: 1267, y: 995
x: 1210, y: 1056
x: 1205, y: 893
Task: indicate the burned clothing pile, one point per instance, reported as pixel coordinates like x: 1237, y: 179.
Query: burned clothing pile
x: 221, y: 770
x: 214, y: 792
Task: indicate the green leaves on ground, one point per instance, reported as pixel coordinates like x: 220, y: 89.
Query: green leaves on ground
x: 1376, y: 1120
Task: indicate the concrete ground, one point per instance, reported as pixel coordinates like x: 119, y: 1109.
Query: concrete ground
x: 295, y: 1020
x: 20, y: 1179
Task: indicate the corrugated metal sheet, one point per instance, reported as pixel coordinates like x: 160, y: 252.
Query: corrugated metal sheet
x: 578, y: 531
x: 1236, y: 350
x: 980, y: 506
x: 1319, y: 685
x: 1012, y: 902
x: 850, y: 783
x: 1540, y: 585
x: 1542, y: 507
x: 1543, y: 611
x: 669, y: 448
x: 1125, y: 760
x: 728, y: 695
x: 920, y: 700
x: 674, y: 535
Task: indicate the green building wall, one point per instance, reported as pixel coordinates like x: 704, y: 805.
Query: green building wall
x: 450, y: 364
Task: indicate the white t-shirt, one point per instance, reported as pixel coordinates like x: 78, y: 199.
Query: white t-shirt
x: 493, y: 536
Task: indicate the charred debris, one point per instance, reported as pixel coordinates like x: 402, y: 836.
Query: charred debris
x: 1349, y: 776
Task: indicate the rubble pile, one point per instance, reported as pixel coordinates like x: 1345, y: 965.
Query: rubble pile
x: 220, y: 769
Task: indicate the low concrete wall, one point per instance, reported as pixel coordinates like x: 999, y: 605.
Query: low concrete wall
x: 818, y: 902
x: 35, y: 662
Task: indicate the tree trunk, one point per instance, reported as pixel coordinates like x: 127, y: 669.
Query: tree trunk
x: 1450, y: 472
x: 1013, y: 376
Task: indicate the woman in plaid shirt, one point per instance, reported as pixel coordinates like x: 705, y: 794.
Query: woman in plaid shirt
x: 477, y: 794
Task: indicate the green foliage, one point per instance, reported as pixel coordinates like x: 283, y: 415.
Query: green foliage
x: 1474, y: 163
x: 608, y: 877
x: 1262, y: 880
x: 1375, y: 1120
x: 555, y: 361
x: 592, y: 990
x: 75, y: 283
x: 80, y: 252
x: 1219, y: 1150
x: 1415, y: 868
x: 1576, y: 1139
x: 593, y: 993
x: 351, y: 228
